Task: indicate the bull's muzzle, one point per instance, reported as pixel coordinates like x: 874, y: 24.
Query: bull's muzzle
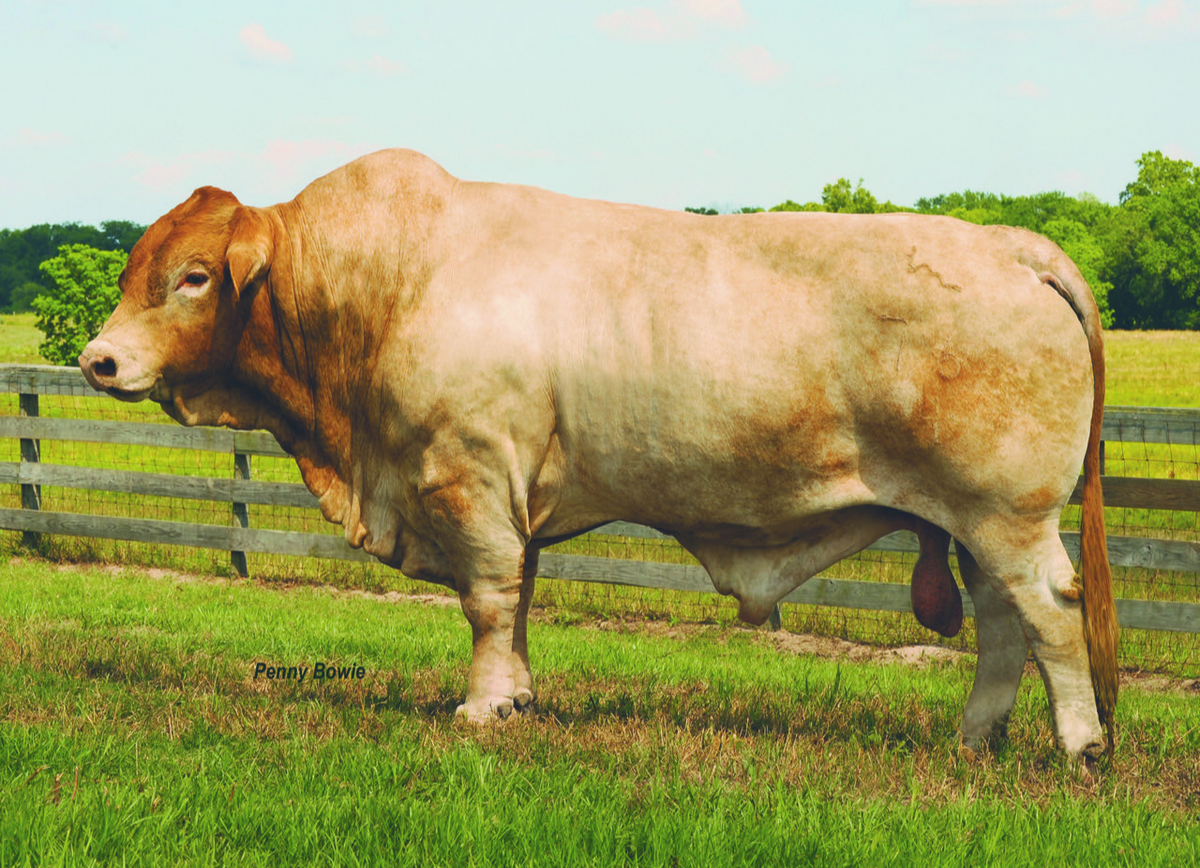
x: 108, y: 370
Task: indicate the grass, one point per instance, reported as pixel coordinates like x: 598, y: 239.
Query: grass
x: 132, y: 730
x: 19, y: 339
x: 1152, y: 369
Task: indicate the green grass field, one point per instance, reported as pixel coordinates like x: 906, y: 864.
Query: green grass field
x: 135, y: 732
x: 19, y: 339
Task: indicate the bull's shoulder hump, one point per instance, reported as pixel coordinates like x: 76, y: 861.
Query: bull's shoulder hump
x: 380, y: 173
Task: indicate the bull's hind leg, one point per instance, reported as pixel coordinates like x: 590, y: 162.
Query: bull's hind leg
x: 1002, y: 651
x: 523, y: 692
x: 1028, y: 568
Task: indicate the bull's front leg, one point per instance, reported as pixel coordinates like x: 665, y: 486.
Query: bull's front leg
x: 473, y: 490
x: 497, y: 606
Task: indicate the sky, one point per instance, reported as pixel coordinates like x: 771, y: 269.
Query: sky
x: 117, y: 110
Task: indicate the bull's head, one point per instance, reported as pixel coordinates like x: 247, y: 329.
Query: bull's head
x: 185, y: 297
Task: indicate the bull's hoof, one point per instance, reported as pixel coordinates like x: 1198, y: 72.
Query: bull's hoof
x: 972, y: 747
x: 523, y: 700
x: 480, y: 712
x: 1089, y: 758
x: 1087, y: 763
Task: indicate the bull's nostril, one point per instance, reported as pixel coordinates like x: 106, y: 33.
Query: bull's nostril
x: 104, y: 367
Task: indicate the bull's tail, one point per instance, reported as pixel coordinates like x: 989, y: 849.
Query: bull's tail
x: 1099, y: 609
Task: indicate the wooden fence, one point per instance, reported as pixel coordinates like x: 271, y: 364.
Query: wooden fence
x: 240, y: 489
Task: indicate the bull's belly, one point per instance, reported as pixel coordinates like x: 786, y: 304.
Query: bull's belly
x: 736, y: 502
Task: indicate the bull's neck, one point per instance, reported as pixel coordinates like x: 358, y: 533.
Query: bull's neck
x: 316, y: 324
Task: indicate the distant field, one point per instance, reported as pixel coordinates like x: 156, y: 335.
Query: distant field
x: 133, y: 731
x: 19, y: 339
x: 1153, y: 369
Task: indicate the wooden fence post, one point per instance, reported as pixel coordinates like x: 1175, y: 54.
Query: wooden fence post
x: 241, y: 512
x: 31, y: 495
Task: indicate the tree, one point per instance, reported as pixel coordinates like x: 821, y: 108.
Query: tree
x: 1158, y: 174
x: 789, y: 205
x: 1153, y: 249
x: 83, y: 295
x: 23, y: 296
x: 839, y: 198
x: 970, y: 205
x: 23, y: 250
x: 713, y: 212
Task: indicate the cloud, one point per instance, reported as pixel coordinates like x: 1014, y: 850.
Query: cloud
x: 1028, y: 90
x: 755, y: 64
x: 263, y: 47
x: 378, y: 65
x: 679, y: 19
x: 162, y: 174
x: 1068, y: 11
x: 108, y: 32
x: 1166, y: 13
x: 1125, y: 13
x: 636, y: 25
x: 966, y: 3
x: 288, y: 160
x: 727, y: 13
x: 1112, y: 8
x: 370, y: 26
x: 278, y: 169
x: 942, y: 53
x: 37, y: 138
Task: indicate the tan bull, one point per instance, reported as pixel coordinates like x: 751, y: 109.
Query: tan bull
x: 466, y: 372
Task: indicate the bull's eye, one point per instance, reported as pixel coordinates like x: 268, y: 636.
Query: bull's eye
x: 192, y: 283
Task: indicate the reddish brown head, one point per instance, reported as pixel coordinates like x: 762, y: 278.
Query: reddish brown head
x: 184, y: 300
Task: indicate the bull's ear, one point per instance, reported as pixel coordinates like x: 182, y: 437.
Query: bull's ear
x: 251, y: 248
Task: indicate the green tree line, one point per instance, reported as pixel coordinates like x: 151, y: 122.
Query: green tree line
x: 22, y: 252
x: 1141, y: 256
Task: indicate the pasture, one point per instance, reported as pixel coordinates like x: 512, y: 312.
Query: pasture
x: 132, y: 727
x: 135, y: 731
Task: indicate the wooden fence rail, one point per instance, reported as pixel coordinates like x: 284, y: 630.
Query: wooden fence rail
x: 1128, y: 424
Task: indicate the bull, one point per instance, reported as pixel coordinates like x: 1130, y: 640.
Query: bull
x: 468, y: 372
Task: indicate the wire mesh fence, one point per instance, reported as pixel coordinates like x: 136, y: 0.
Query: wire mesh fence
x: 1169, y: 652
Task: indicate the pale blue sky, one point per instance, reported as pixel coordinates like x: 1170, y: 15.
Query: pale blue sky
x: 117, y: 110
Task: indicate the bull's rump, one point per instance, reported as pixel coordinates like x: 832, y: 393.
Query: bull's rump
x: 757, y: 371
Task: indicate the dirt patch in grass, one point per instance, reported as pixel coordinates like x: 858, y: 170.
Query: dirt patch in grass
x: 918, y: 656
